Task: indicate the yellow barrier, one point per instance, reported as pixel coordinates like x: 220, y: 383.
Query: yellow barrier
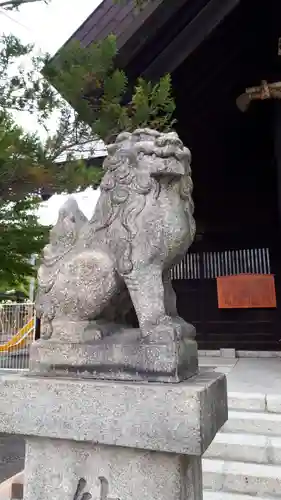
x: 20, y: 339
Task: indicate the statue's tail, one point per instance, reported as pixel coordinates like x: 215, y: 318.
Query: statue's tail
x: 63, y: 237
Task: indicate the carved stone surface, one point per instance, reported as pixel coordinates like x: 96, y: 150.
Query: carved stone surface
x: 53, y: 469
x: 176, y: 418
x: 113, y: 440
x: 81, y: 494
x: 119, y: 357
x: 96, y: 273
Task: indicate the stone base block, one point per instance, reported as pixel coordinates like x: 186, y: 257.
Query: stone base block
x: 174, y: 418
x: 103, y: 440
x: 57, y: 469
x: 121, y: 356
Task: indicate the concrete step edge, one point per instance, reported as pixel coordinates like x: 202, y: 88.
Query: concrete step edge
x: 242, y: 468
x: 267, y: 424
x: 243, y: 447
x: 250, y: 416
x: 247, y: 401
x: 247, y: 439
x: 224, y: 495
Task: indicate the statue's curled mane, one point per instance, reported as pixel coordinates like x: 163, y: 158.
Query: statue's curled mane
x: 124, y: 195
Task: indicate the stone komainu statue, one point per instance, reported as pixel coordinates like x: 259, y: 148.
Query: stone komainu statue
x: 96, y: 272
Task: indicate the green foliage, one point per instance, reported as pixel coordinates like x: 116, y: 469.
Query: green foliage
x: 26, y: 163
x: 99, y: 92
x: 153, y: 105
x: 21, y: 236
x: 24, y: 168
x: 103, y: 104
x: 22, y: 88
x: 19, y: 160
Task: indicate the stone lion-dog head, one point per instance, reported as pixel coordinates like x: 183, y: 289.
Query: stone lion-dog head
x: 138, y: 165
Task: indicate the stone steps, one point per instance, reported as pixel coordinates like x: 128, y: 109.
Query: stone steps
x: 267, y: 424
x: 254, y: 402
x: 242, y: 478
x: 242, y: 447
x: 244, y: 401
x: 244, y: 460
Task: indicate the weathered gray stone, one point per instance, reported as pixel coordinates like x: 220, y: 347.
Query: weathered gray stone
x: 117, y: 265
x: 119, y: 439
x: 113, y: 440
x: 176, y: 418
x: 273, y: 403
x: 119, y: 357
x: 54, y: 468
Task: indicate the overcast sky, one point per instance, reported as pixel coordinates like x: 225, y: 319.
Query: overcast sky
x: 49, y: 26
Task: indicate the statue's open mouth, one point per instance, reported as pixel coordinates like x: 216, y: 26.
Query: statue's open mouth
x: 174, y: 169
x: 168, y: 177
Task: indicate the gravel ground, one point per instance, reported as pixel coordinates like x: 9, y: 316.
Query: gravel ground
x: 11, y: 447
x: 11, y: 456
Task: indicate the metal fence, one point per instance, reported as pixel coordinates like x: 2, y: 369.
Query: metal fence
x: 211, y: 265
x: 17, y: 332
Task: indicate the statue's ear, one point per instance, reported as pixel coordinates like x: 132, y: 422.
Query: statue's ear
x: 71, y: 211
x: 70, y: 221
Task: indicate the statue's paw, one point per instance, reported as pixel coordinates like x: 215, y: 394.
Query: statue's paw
x: 183, y: 328
x: 163, y: 332
x: 46, y: 330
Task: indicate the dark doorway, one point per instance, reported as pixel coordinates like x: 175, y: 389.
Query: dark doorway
x: 234, y: 173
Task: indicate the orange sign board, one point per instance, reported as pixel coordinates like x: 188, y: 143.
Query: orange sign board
x: 246, y: 291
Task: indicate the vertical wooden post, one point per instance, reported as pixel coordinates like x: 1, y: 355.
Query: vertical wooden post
x: 277, y: 147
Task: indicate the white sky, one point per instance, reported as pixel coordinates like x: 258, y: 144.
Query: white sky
x: 48, y: 27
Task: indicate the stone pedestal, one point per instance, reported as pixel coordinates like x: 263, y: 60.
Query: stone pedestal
x: 113, y: 440
x: 124, y: 473
x: 119, y: 356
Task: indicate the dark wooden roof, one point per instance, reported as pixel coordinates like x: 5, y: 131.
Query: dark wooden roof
x: 211, y: 62
x: 111, y: 17
x: 166, y: 31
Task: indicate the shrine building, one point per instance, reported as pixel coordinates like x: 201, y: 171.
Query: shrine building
x: 229, y: 284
